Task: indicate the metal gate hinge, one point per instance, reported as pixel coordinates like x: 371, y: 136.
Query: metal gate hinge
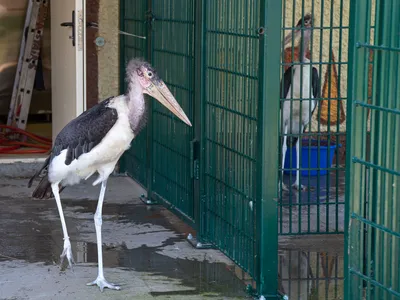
x: 150, y: 18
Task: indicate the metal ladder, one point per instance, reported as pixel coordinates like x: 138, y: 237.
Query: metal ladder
x: 36, y: 15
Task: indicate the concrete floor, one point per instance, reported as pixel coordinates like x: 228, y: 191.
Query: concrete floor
x: 311, y: 266
x: 145, y: 250
x: 145, y: 247
x: 320, y: 208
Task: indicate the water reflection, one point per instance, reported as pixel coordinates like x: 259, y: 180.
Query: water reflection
x: 312, y: 267
x: 31, y: 230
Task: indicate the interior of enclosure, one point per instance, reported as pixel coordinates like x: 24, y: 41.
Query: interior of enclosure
x: 313, y: 118
x: 209, y: 55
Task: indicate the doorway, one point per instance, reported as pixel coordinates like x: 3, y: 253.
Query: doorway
x: 59, y: 91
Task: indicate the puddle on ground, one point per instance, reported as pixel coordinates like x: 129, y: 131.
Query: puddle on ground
x: 136, y: 238
x: 147, y: 241
x: 312, y: 267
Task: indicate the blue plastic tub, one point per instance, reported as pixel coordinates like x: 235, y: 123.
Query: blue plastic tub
x: 305, y: 150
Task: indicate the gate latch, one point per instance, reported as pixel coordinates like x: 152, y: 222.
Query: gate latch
x: 150, y: 18
x: 194, y: 158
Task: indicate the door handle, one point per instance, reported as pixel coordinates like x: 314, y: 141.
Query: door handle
x: 71, y: 24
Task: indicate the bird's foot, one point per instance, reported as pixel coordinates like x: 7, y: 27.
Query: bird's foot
x: 283, y: 187
x: 299, y: 187
x: 67, y: 252
x: 102, y: 283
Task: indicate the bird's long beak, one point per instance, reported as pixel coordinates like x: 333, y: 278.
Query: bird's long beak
x: 158, y: 90
x: 288, y: 38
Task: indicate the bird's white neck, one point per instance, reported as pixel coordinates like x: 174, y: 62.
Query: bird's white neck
x: 136, y: 106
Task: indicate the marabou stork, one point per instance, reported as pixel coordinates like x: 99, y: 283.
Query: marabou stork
x: 301, y: 110
x: 95, y: 140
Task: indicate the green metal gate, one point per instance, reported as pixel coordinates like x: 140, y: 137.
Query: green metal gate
x: 212, y: 55
x: 222, y: 61
x: 373, y: 179
x: 319, y: 208
x: 161, y: 157
x: 172, y: 53
x: 133, y: 19
x: 230, y: 127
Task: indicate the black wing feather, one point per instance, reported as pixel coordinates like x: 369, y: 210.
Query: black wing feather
x: 287, y: 80
x: 316, y: 87
x: 85, y: 132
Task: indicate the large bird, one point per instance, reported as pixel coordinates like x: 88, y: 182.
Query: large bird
x: 94, y: 142
x: 301, y: 88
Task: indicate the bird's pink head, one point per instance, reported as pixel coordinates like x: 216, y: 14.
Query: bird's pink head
x: 151, y: 84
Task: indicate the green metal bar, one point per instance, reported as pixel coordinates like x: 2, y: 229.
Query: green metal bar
x: 122, y: 44
x: 377, y: 107
x: 199, y: 115
x: 374, y: 176
x: 122, y: 163
x: 358, y: 23
x: 225, y: 71
x: 232, y: 111
x: 319, y: 179
x: 149, y: 137
x: 173, y: 52
x: 380, y: 48
x: 375, y: 166
x: 380, y: 129
x: 339, y: 79
x: 375, y: 225
x: 268, y: 120
x: 221, y: 32
x: 374, y: 282
x: 168, y: 20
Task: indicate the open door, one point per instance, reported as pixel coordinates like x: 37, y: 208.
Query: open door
x: 68, y: 57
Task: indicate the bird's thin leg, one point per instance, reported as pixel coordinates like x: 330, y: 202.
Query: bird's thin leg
x: 67, y: 252
x: 100, y: 281
x: 297, y: 184
x: 284, y: 150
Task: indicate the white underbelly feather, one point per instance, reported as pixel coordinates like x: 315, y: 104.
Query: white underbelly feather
x: 107, y: 152
x: 296, y: 113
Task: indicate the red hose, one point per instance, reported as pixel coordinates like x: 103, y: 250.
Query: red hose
x: 15, y: 141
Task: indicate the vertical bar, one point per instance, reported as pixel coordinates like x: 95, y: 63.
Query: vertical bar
x: 122, y: 46
x: 199, y: 115
x: 149, y: 141
x: 348, y: 162
x: 355, y: 176
x: 267, y: 147
x: 122, y: 163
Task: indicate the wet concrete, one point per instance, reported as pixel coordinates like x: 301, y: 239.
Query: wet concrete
x: 145, y: 250
x: 311, y: 267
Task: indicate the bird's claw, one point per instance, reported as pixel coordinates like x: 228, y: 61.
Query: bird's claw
x: 283, y: 187
x: 67, y: 252
x: 102, y: 283
x: 299, y: 187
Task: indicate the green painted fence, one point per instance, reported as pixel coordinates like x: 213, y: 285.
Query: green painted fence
x: 133, y: 19
x: 224, y: 60
x: 373, y: 177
